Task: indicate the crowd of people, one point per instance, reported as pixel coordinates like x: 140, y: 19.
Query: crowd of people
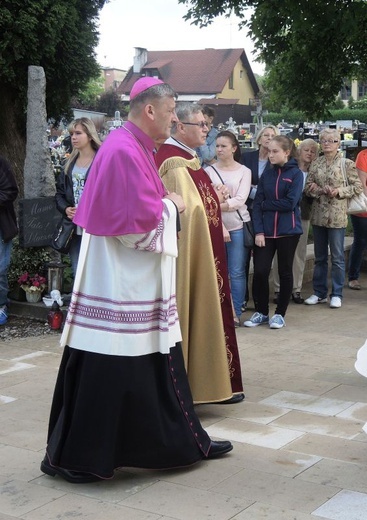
x: 153, y: 333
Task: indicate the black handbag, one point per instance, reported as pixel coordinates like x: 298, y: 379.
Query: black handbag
x: 249, y: 237
x: 61, y: 238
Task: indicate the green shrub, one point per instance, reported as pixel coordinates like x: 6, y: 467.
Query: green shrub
x: 30, y: 259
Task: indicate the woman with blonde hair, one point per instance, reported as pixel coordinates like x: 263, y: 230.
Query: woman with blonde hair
x: 71, y: 181
x: 329, y: 219
x: 258, y: 162
x: 307, y: 151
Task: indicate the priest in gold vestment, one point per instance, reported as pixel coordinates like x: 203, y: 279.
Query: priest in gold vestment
x: 203, y: 294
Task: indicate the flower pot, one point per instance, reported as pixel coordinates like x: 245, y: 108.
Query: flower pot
x: 33, y: 296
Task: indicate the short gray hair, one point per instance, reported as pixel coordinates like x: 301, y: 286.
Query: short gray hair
x: 262, y: 131
x: 326, y: 132
x: 151, y: 94
x: 184, y: 112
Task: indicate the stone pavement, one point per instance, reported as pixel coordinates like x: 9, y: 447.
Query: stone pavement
x: 299, y: 449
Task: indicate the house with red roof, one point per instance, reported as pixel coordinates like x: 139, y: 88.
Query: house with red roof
x: 220, y: 78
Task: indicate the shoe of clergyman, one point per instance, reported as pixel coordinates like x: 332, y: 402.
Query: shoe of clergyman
x: 277, y: 322
x: 75, y: 477
x: 256, y: 319
x: 313, y: 300
x: 3, y: 315
x: 335, y: 302
x: 218, y: 448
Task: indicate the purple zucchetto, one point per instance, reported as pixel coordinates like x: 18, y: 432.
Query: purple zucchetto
x: 143, y: 84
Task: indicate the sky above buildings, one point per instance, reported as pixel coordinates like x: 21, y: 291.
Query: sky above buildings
x: 158, y: 25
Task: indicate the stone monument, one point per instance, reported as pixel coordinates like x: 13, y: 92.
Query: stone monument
x: 39, y: 180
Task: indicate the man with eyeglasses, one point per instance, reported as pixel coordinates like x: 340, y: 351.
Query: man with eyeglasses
x: 203, y: 295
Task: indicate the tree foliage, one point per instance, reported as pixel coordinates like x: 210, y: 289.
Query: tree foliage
x: 308, y: 46
x: 58, y: 35
x: 88, y: 97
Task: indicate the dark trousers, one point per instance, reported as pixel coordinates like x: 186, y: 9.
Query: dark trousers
x: 263, y: 257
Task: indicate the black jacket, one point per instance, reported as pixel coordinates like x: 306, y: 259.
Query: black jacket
x: 251, y: 160
x: 64, y: 196
x: 8, y: 194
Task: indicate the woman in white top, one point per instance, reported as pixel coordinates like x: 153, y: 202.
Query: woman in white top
x: 237, y: 178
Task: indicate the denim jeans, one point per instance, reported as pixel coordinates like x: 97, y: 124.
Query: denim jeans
x: 5, y: 252
x: 236, y: 259
x: 334, y: 238
x: 359, y: 245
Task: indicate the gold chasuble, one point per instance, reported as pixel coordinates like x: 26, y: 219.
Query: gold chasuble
x: 203, y: 295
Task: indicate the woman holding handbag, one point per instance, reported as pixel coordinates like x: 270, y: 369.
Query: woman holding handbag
x: 71, y: 181
x: 229, y: 171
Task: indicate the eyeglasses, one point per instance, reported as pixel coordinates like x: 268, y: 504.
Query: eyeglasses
x: 201, y: 124
x: 329, y: 141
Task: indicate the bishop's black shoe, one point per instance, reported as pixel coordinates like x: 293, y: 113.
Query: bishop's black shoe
x: 75, y: 477
x: 218, y: 448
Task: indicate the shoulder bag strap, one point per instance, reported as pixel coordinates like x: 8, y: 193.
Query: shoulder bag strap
x: 343, y: 169
x: 222, y: 181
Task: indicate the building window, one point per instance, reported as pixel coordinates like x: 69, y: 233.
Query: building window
x: 241, y: 74
x: 346, y: 90
x: 152, y: 73
x: 230, y: 81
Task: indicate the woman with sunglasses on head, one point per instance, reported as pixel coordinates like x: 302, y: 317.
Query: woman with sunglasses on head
x: 326, y: 183
x: 277, y: 226
x: 258, y: 161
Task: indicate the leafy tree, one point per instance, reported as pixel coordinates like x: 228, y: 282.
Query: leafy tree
x: 307, y: 46
x: 58, y: 35
x: 109, y: 102
x: 87, y: 98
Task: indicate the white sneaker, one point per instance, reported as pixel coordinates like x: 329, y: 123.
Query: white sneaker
x: 335, y: 302
x: 313, y: 300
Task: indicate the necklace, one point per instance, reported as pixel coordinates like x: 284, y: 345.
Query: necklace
x: 84, y: 164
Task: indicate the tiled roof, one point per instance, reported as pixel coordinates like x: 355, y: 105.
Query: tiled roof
x: 203, y: 71
x: 217, y: 101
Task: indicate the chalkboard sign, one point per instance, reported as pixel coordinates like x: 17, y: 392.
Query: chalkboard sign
x: 38, y: 219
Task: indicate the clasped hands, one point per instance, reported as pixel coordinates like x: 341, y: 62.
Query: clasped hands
x: 326, y: 190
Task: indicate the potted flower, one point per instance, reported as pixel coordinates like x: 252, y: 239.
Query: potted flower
x: 33, y: 285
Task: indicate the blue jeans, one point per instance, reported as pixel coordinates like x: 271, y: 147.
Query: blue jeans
x: 236, y: 259
x: 5, y: 252
x: 324, y: 237
x: 359, y: 245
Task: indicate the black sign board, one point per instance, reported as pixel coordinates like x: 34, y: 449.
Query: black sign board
x: 351, y: 152
x: 38, y: 219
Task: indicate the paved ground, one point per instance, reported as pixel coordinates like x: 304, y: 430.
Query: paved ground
x: 299, y: 449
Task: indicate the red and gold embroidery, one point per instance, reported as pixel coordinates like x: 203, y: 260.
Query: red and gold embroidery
x: 210, y: 204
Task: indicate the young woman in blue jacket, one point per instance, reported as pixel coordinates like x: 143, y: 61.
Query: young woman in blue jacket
x: 277, y: 227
